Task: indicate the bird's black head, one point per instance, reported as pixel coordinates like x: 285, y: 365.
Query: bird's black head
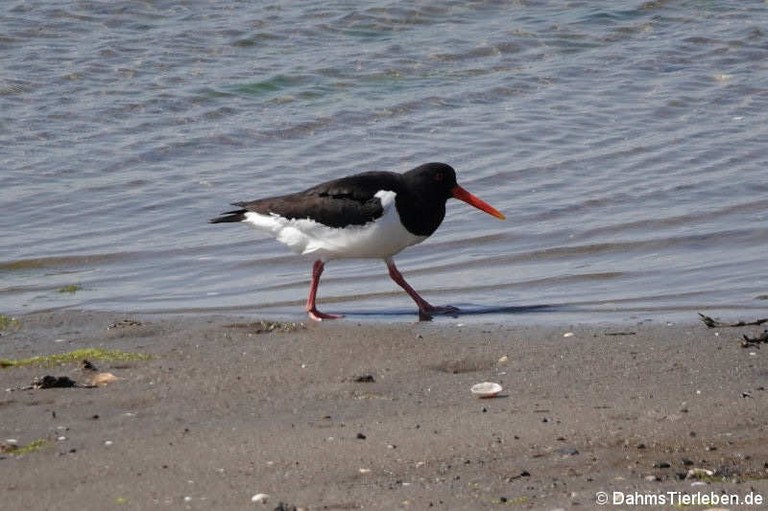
x: 432, y: 179
x: 435, y: 183
x: 428, y: 187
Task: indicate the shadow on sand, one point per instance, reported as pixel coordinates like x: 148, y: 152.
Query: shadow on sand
x: 464, y: 310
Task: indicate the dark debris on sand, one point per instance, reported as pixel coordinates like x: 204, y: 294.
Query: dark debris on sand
x: 713, y: 323
x: 53, y: 382
x: 754, y: 342
x: 747, y: 341
x: 265, y: 326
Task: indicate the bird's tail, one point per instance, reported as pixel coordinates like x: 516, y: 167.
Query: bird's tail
x: 237, y: 215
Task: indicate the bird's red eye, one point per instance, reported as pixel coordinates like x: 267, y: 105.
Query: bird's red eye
x: 438, y: 177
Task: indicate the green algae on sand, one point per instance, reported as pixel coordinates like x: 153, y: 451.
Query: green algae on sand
x: 70, y: 289
x: 21, y: 450
x: 7, y: 322
x: 75, y: 356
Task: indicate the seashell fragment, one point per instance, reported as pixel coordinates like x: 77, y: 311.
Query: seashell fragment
x: 101, y: 379
x: 260, y: 498
x: 486, y: 389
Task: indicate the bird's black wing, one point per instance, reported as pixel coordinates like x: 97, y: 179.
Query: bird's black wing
x: 338, y: 203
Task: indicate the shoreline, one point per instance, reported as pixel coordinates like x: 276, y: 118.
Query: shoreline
x: 344, y: 415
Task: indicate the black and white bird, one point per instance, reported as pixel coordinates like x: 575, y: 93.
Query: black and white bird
x: 370, y: 215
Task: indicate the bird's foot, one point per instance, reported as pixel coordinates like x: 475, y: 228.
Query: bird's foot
x: 426, y: 313
x: 319, y: 316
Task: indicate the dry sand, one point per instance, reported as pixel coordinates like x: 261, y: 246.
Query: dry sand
x: 344, y: 415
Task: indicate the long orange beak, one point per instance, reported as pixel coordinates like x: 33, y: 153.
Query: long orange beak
x: 463, y: 195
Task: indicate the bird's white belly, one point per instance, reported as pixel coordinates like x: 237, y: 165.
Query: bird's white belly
x: 382, y: 238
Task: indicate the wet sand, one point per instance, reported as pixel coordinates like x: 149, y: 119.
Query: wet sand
x: 344, y: 415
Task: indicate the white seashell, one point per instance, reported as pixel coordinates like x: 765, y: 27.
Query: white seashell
x: 261, y: 498
x: 486, y: 389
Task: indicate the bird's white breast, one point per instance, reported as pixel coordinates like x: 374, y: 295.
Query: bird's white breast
x: 381, y: 238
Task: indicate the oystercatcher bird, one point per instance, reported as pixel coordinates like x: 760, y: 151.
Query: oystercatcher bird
x: 368, y: 215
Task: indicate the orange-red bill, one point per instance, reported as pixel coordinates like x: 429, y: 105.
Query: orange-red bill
x: 460, y: 193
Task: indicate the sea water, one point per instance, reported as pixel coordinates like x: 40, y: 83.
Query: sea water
x: 627, y: 143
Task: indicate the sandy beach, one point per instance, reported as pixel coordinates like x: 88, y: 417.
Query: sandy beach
x: 346, y: 415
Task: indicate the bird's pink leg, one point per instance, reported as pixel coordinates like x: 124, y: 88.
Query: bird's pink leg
x: 426, y: 309
x: 317, y: 270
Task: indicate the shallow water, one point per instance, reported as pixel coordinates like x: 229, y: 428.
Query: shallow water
x: 627, y: 145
